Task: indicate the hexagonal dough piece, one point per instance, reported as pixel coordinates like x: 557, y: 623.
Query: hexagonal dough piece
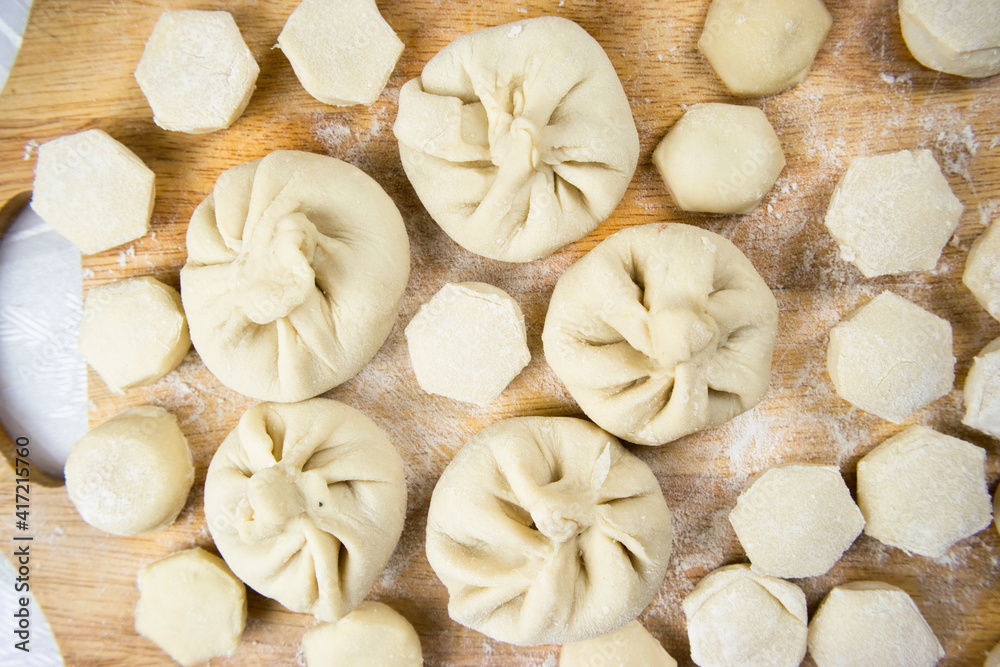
x: 871, y: 623
x: 131, y: 474
x: 306, y: 501
x: 468, y: 342
x: 661, y: 331
x: 545, y: 530
x: 92, y: 190
x: 762, y: 47
x: 923, y: 491
x: 982, y: 391
x: 891, y: 357
x: 958, y: 36
x: 796, y: 520
x: 632, y: 646
x: 737, y: 617
x: 133, y: 332
x: 518, y: 138
x: 296, y: 268
x: 191, y: 605
x: 342, y: 51
x: 720, y: 158
x: 982, y: 270
x: 893, y: 213
x: 196, y: 71
x: 373, y: 635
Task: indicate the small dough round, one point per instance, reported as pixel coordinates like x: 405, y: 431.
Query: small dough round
x: 796, y: 520
x: 982, y: 391
x: 93, y: 190
x: 923, y: 491
x: 131, y: 474
x: 955, y: 36
x: 296, y: 268
x: 306, y: 502
x: 192, y: 606
x: 893, y: 213
x: 739, y: 618
x: 468, y: 342
x: 660, y: 331
x: 518, y: 138
x: 762, y: 47
x: 891, y: 357
x: 982, y: 270
x: 632, y: 646
x: 545, y: 530
x: 196, y: 71
x: 133, y: 332
x: 373, y: 635
x: 871, y: 623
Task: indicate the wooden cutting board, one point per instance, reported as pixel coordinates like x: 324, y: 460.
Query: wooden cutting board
x: 865, y: 95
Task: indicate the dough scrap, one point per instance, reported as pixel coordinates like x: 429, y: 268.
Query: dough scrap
x: 518, y: 138
x: 982, y: 270
x: 982, y: 391
x: 737, y: 617
x: 306, y: 502
x: 660, y: 331
x: 468, y: 342
x: 296, y: 268
x: 131, y: 474
x: 631, y: 646
x: 959, y: 37
x: 373, y: 635
x: 196, y: 71
x: 192, y: 606
x: 545, y: 530
x: 93, y: 190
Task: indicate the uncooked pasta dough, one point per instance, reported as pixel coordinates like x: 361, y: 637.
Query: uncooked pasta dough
x: 993, y: 659
x: 545, y: 530
x: 373, y: 635
x: 131, y: 474
x: 955, y: 36
x: 982, y: 391
x: 632, y: 646
x: 296, y: 266
x: 982, y: 270
x: 660, y: 331
x: 306, y: 501
x: 518, y: 138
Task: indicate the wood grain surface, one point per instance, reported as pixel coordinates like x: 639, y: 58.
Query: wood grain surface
x: 864, y: 95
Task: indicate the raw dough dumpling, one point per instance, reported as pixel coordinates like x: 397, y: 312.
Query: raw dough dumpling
x: 955, y: 36
x: 306, y: 501
x: 982, y: 391
x: 92, y: 190
x: 196, y: 71
x: 518, y: 138
x: 632, y: 646
x: 192, y: 606
x: 871, y: 623
x: 720, y: 158
x: 982, y: 270
x: 468, y: 342
x: 545, y: 530
x: 133, y: 332
x: 893, y: 213
x: 131, y: 474
x: 296, y: 267
x: 737, y: 618
x: 342, y: 51
x: 923, y: 491
x: 373, y: 635
x: 660, y: 331
x: 891, y: 357
x: 993, y: 658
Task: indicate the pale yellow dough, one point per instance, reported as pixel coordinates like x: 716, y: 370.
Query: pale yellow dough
x: 632, y: 646
x: 955, y: 36
x: 373, y: 635
x: 982, y: 270
x: 982, y: 391
x: 993, y: 658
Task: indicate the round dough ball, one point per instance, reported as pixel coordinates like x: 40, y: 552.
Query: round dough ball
x: 306, y: 502
x: 133, y: 332
x: 923, y: 491
x: 893, y: 213
x: 196, y: 71
x: 192, y: 606
x: 545, y: 530
x: 632, y: 646
x: 955, y: 36
x: 737, y: 617
x: 373, y: 635
x: 296, y: 267
x: 131, y: 474
x: 661, y: 331
x: 762, y: 47
x: 982, y: 270
x: 891, y: 357
x: 796, y: 520
x: 982, y: 391
x: 871, y: 623
x: 519, y: 138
